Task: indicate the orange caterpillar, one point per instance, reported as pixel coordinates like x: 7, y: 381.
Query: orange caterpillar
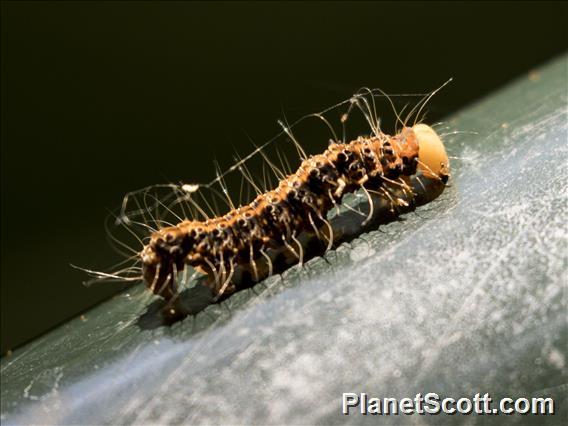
x: 291, y: 223
x: 263, y: 237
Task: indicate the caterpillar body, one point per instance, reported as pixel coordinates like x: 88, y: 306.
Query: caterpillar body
x: 291, y: 223
x: 249, y: 243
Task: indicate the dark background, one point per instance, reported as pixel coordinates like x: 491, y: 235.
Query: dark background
x: 99, y: 98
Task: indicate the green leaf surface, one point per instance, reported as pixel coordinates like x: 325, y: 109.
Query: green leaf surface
x: 466, y: 295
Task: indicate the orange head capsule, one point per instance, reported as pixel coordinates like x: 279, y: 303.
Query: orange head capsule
x: 433, y: 160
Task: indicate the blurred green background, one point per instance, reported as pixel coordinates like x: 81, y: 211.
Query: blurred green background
x: 99, y: 98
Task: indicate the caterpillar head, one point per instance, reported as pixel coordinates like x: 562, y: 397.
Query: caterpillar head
x: 433, y: 160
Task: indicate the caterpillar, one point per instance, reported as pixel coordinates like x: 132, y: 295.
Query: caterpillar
x: 289, y: 223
